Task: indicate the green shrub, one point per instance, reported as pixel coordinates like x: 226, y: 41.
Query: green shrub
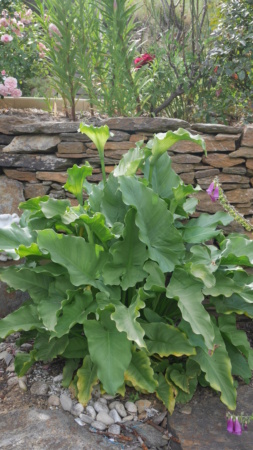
x: 117, y: 283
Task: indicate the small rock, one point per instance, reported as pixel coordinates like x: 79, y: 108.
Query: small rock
x: 143, y: 415
x: 86, y: 419
x: 109, y: 397
x: 186, y: 409
x: 26, y: 347
x: 58, y: 378
x: 2, y: 347
x: 128, y: 418
x: 103, y: 400
x: 98, y: 406
x: 121, y: 409
x: 53, y: 400
x: 77, y: 409
x: 12, y: 381
x: 77, y: 420
x: 114, y: 429
x: 11, y: 368
x: 66, y: 402
x: 142, y: 405
x: 39, y: 388
x: 131, y: 407
x: 105, y: 418
x: 159, y: 418
x: 22, y: 385
x: 91, y: 412
x: 115, y: 415
x: 98, y: 425
x: 7, y: 357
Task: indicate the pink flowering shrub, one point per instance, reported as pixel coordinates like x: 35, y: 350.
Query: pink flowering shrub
x: 9, y: 87
x: 6, y: 38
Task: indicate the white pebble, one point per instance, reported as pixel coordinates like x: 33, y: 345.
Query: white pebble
x: 131, y: 407
x: 58, y: 378
x: 114, y: 429
x: 127, y: 418
x: 22, y: 385
x: 66, y: 402
x: 12, y: 381
x: 98, y: 406
x: 53, y: 400
x: 85, y: 418
x: 121, y: 409
x: 77, y: 420
x: 105, y: 418
x: 91, y: 412
x: 115, y: 415
x: 98, y: 425
x: 77, y: 409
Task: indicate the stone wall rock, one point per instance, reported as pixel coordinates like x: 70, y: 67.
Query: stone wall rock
x: 11, y: 194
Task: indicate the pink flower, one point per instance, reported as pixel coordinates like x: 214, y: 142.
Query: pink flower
x: 4, y: 22
x: 218, y: 92
x: 4, y: 91
x: 6, y: 38
x: 42, y: 46
x: 11, y: 83
x: 3, y: 72
x: 230, y: 425
x: 53, y: 29
x: 42, y: 55
x: 28, y: 13
x: 213, y: 192
x: 143, y: 60
x: 16, y: 93
x: 237, y: 427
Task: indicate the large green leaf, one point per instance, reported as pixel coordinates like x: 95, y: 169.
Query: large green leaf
x: 233, y: 304
x: 140, y: 373
x: 47, y: 348
x: 166, y: 340
x: 240, y: 366
x: 155, y: 223
x: 164, y: 178
x: 112, y: 205
x: 26, y: 279
x: 53, y: 207
x: 187, y: 290
x: 132, y: 160
x: 77, y: 348
x: 204, y: 227
x: 125, y: 319
x: 166, y: 392
x: 32, y: 250
x: 83, y: 261
x: 86, y: 379
x: 224, y: 285
x: 156, y: 279
x: 73, y: 311
x: 163, y: 141
x: 23, y: 362
x: 110, y: 350
x: 12, y: 237
x: 128, y: 256
x: 203, y: 273
x: 237, y: 250
x: 68, y: 371
x: 218, y: 370
x: 76, y: 177
x: 96, y: 224
x: 33, y: 204
x: 24, y: 319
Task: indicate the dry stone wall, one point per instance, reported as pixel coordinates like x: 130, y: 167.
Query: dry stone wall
x: 35, y: 155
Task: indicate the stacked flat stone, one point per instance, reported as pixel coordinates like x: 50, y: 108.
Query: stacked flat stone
x: 35, y: 156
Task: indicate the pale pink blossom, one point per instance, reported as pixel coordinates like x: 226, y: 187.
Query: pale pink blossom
x: 42, y: 46
x: 11, y: 83
x: 25, y: 21
x: 3, y: 72
x: 4, y: 22
x: 28, y: 13
x: 53, y: 29
x: 17, y: 32
x: 4, y: 91
x: 13, y: 21
x: 16, y: 93
x: 42, y: 55
x: 16, y: 14
x: 6, y: 38
x: 20, y: 24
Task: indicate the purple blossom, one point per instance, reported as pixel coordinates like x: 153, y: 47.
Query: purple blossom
x: 230, y: 425
x: 237, y: 427
x: 213, y: 192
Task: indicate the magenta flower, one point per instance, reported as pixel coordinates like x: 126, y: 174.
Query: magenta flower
x: 6, y: 38
x: 213, y: 192
x: 230, y: 425
x: 53, y: 29
x: 237, y: 427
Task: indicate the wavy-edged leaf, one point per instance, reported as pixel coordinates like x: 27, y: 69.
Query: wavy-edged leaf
x: 240, y: 366
x: 125, y: 319
x: 156, y: 278
x: 68, y: 371
x: 98, y: 135
x: 164, y: 178
x: 77, y: 348
x: 132, y: 160
x: 224, y: 285
x: 53, y: 207
x: 188, y: 291
x: 12, y: 237
x: 86, y: 379
x: 83, y: 261
x: 47, y: 348
x: 76, y: 177
x: 110, y: 350
x: 128, y: 256
x: 23, y: 362
x: 155, y: 223
x: 96, y: 224
x: 112, y: 205
x: 33, y: 250
x: 233, y: 304
x: 166, y: 340
x: 33, y: 204
x: 140, y: 373
x: 166, y: 392
x: 237, y: 250
x: 24, y: 319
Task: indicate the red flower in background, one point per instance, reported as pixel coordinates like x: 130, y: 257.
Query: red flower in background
x: 216, y: 69
x: 235, y: 76
x: 142, y: 60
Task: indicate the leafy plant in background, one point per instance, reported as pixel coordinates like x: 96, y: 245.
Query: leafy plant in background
x: 19, y: 34
x: 117, y: 284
